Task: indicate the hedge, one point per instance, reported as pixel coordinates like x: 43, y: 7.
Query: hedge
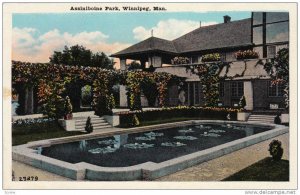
x: 127, y: 118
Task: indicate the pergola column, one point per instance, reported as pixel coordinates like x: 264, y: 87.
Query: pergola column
x: 29, y: 100
x: 248, y: 93
x: 122, y: 64
x: 143, y: 64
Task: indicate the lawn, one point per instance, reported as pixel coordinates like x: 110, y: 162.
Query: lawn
x: 22, y: 134
x: 264, y: 170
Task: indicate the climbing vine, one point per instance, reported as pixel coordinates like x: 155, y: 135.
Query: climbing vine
x: 52, y: 80
x: 278, y: 69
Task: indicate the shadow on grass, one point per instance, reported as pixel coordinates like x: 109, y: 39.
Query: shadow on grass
x: 264, y: 170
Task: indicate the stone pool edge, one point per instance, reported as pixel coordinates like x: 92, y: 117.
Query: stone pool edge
x: 145, y: 171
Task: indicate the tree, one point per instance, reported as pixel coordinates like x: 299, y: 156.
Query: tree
x: 80, y: 56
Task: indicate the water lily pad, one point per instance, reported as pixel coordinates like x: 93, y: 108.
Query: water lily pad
x: 173, y: 144
x: 152, y: 134
x: 185, y: 137
x: 107, y: 142
x: 138, y: 146
x: 186, y: 131
x: 103, y: 150
x: 217, y: 131
x: 145, y: 138
x: 203, y: 127
x: 210, y: 134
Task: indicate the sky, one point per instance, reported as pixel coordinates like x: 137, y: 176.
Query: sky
x: 36, y: 36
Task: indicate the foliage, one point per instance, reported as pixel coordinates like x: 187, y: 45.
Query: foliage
x: 134, y: 65
x: 209, y: 78
x: 80, y: 56
x: 126, y: 118
x: 27, y: 130
x: 50, y: 96
x: 242, y: 102
x: 24, y: 126
x: 52, y: 81
x: 247, y: 54
x: 136, y: 80
x: 278, y: 69
x: 88, y: 125
x: 86, y: 95
x: 275, y: 149
x: 180, y: 60
x: 211, y: 57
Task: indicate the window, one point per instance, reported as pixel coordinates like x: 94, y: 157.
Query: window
x: 194, y: 59
x: 257, y: 18
x: 278, y: 32
x: 277, y: 16
x: 258, y: 35
x: 197, y: 93
x: 271, y: 51
x: 237, y: 89
x: 276, y: 90
x: 221, y: 89
x: 194, y: 93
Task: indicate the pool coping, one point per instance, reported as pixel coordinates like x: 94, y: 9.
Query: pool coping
x: 145, y: 171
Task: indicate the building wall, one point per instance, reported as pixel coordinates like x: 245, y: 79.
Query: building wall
x: 261, y: 97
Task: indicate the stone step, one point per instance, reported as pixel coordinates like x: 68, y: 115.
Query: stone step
x: 80, y: 122
x: 85, y: 118
x: 94, y: 125
x: 261, y: 118
x: 95, y: 128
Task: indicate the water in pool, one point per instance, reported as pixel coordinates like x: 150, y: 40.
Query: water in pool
x: 156, y: 146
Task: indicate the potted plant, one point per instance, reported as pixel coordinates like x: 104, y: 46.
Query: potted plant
x: 247, y: 54
x: 68, y: 109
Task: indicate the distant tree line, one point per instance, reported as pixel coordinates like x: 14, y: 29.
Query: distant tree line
x: 78, y: 55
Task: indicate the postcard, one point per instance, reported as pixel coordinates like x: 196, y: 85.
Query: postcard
x: 150, y: 96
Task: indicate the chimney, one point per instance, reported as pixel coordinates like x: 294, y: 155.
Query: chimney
x: 227, y: 19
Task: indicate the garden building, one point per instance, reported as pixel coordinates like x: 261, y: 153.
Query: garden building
x: 239, y: 48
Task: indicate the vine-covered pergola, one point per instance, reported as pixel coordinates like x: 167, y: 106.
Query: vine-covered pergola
x: 51, y: 81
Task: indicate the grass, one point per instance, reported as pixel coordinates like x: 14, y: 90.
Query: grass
x: 264, y: 170
x: 34, y: 132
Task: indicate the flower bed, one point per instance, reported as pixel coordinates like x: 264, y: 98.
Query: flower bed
x: 247, y: 54
x: 22, y: 126
x: 211, y: 57
x: 126, y: 118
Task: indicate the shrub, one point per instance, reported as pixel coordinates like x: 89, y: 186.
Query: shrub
x: 211, y: 57
x: 247, y: 54
x: 277, y: 119
x: 88, y: 126
x: 276, y: 150
x: 131, y: 119
x: 242, y: 102
x: 25, y: 126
